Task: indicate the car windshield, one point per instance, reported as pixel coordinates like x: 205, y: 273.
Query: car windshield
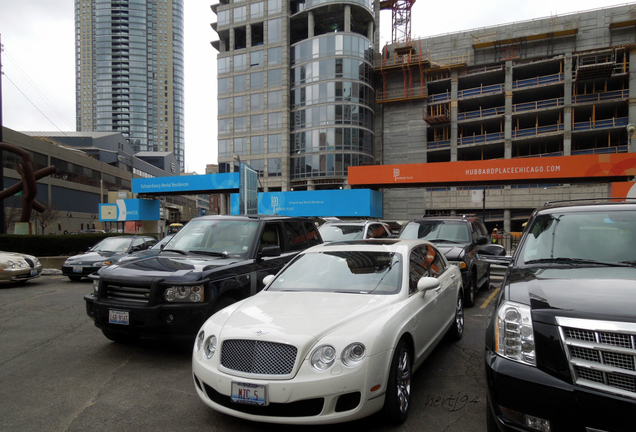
x: 572, y: 238
x: 113, y: 244
x: 163, y: 242
x: 334, y: 232
x: 342, y: 271
x: 215, y: 237
x: 437, y: 231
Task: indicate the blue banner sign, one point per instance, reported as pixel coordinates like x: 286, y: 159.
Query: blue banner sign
x: 185, y: 184
x: 338, y: 203
x: 130, y: 210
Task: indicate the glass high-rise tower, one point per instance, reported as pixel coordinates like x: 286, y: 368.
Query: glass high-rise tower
x: 129, y: 71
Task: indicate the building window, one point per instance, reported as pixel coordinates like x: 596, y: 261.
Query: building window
x: 274, y: 167
x: 257, y: 122
x: 274, y: 78
x: 256, y: 101
x: 240, y: 62
x: 257, y: 145
x: 275, y: 120
x: 240, y: 104
x: 240, y: 124
x: 274, y: 30
x: 274, y: 55
x: 240, y: 146
x: 256, y: 10
x: 274, y: 143
x: 256, y: 80
x: 223, y: 64
x: 275, y: 99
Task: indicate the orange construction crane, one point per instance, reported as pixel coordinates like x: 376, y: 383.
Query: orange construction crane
x: 401, y: 19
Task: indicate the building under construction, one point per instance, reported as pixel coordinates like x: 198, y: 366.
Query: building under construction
x: 557, y: 86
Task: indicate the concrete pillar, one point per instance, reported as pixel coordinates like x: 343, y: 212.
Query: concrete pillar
x: 632, y: 97
x: 347, y: 19
x: 508, y: 110
x: 310, y: 185
x: 567, y: 105
x: 453, y: 113
x: 310, y: 24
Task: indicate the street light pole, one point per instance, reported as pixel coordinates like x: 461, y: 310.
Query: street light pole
x: 2, y: 216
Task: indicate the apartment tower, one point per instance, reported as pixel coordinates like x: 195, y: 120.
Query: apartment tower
x: 129, y: 71
x: 296, y: 89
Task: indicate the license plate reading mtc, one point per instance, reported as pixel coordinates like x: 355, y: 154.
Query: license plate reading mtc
x: 252, y: 394
x: 118, y: 317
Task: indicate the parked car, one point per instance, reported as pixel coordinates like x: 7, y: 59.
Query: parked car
x: 354, y: 230
x: 18, y: 267
x: 335, y: 336
x: 561, y: 338
x: 211, y: 263
x: 459, y: 238
x: 104, y: 253
x: 152, y: 251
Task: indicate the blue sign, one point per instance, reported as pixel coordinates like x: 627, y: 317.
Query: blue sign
x: 130, y: 210
x: 336, y: 202
x: 184, y: 184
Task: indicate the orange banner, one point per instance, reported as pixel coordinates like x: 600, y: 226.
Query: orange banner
x: 496, y: 170
x: 624, y: 190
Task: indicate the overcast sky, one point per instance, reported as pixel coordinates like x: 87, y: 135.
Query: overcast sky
x: 38, y: 86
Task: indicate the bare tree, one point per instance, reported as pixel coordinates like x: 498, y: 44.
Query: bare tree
x: 46, y: 218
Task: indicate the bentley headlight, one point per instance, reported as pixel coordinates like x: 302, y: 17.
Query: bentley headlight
x: 353, y: 354
x: 209, y: 347
x: 323, y: 357
x: 10, y: 264
x: 36, y: 261
x: 514, y: 333
x: 183, y: 293
x: 199, y: 342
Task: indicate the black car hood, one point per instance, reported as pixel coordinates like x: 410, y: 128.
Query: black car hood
x: 186, y: 267
x: 91, y: 257
x: 451, y: 252
x: 600, y: 293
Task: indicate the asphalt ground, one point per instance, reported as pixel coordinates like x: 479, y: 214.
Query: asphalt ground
x: 59, y: 373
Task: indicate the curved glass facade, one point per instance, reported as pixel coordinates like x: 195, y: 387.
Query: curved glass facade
x: 331, y: 101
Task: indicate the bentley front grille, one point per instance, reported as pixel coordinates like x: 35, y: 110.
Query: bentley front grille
x: 601, y: 354
x: 258, y: 357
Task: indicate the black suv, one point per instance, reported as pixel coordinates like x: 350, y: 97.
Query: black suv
x: 458, y: 238
x: 211, y: 263
x: 561, y: 338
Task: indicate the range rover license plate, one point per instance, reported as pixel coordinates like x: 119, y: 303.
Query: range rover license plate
x: 118, y: 317
x: 252, y: 394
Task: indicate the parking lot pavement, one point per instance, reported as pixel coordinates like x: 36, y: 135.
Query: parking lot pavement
x: 59, y: 373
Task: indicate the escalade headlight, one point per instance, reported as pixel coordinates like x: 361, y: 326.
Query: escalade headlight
x: 192, y: 294
x: 514, y: 335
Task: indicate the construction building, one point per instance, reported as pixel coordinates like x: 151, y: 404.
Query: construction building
x: 306, y: 96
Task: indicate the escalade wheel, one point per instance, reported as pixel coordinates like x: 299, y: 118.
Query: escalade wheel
x: 398, y: 394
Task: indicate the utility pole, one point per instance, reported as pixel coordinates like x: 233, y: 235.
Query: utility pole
x: 2, y: 218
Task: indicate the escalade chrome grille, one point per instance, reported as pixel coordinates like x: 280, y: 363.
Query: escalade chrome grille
x: 258, y: 357
x: 133, y: 294
x: 601, y: 354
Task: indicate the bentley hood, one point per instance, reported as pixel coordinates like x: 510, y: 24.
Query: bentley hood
x: 600, y: 293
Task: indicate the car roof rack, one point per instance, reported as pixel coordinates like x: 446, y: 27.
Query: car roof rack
x: 606, y: 200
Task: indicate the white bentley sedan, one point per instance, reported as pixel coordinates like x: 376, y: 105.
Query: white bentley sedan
x: 335, y: 336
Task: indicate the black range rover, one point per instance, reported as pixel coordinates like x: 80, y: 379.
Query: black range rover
x: 561, y: 338
x: 211, y: 263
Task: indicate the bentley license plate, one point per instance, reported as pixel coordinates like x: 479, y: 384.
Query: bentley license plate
x: 252, y: 394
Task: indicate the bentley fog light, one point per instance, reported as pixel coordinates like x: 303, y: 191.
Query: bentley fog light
x: 199, y: 342
x: 323, y: 357
x: 209, y: 347
x: 514, y: 333
x: 353, y: 354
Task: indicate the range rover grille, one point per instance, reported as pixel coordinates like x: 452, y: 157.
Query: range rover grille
x: 132, y: 294
x: 601, y: 354
x: 258, y: 357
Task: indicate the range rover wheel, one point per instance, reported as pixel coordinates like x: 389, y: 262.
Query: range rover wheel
x: 469, y: 297
x: 456, y: 332
x: 120, y: 337
x: 398, y: 395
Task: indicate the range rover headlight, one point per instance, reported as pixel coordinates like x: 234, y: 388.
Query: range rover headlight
x: 353, y: 354
x: 209, y: 347
x: 514, y: 336
x: 323, y: 357
x: 183, y: 293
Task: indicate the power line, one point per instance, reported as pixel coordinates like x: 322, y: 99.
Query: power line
x: 27, y: 98
x: 30, y: 81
